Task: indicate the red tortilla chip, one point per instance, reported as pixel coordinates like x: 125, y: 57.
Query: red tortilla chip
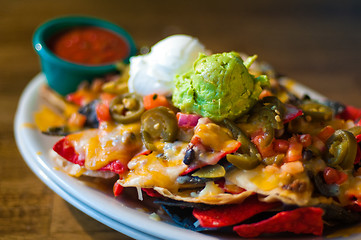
x: 227, y: 215
x: 301, y: 220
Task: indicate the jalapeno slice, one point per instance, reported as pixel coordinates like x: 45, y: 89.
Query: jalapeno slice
x: 342, y: 149
x: 275, y: 104
x: 126, y: 108
x: 159, y: 122
x: 247, y: 156
x: 317, y: 111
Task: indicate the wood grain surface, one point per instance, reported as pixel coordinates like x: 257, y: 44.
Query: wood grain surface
x: 318, y: 43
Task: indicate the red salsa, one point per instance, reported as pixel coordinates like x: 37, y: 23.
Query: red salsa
x: 89, y: 45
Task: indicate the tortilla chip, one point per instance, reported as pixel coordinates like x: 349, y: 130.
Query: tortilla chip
x: 217, y: 199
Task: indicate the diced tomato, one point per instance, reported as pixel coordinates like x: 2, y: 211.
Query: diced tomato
x: 265, y: 93
x: 280, y: 145
x: 294, y: 152
x: 333, y: 176
x: 103, y: 113
x: 265, y: 151
x: 117, y: 189
x: 305, y: 140
x: 155, y: 100
x: 107, y: 97
x: 318, y: 143
x: 326, y: 133
x: 81, y: 97
x: 77, y: 120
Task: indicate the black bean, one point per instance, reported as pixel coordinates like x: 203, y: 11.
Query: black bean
x: 307, y: 154
x: 189, y: 156
x: 89, y: 111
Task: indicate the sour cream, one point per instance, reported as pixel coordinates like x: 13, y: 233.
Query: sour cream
x: 154, y: 72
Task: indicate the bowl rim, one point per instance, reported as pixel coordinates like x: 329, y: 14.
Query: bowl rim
x: 40, y: 46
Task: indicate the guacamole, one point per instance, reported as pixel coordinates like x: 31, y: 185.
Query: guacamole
x: 218, y: 86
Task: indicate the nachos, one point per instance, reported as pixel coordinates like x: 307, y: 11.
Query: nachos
x: 229, y: 148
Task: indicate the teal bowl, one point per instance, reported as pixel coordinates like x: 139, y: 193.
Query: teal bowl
x: 64, y: 76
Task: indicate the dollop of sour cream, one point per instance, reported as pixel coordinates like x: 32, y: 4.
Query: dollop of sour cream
x: 154, y: 72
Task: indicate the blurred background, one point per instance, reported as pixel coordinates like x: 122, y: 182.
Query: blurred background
x: 317, y: 43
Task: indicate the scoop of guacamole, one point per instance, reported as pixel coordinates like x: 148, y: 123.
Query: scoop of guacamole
x: 218, y: 86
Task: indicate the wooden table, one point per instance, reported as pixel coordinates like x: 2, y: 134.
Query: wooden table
x: 317, y: 43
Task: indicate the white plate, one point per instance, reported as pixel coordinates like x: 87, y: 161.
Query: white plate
x: 121, y: 214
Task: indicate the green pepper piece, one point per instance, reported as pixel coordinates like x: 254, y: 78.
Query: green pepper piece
x: 342, y: 149
x: 126, y: 108
x: 210, y: 171
x: 159, y: 122
x: 247, y: 156
x: 243, y: 161
x: 317, y: 111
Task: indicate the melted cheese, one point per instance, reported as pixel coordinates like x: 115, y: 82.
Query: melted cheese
x: 46, y: 118
x: 267, y: 182
x: 216, y: 137
x: 159, y: 169
x: 101, y: 146
x: 210, y: 189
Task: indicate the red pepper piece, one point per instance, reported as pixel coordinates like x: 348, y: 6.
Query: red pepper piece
x: 117, y: 189
x: 333, y: 176
x: 151, y: 192
x: 115, y: 166
x: 65, y: 149
x: 227, y: 215
x: 291, y: 113
x: 301, y: 220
